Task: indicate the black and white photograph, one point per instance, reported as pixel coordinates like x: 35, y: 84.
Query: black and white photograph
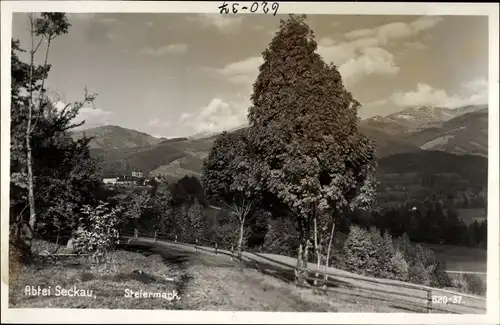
x: 297, y: 161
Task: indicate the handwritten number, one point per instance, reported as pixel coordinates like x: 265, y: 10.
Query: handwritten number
x: 223, y: 8
x: 252, y: 9
x: 275, y: 7
x: 255, y: 6
x: 264, y: 7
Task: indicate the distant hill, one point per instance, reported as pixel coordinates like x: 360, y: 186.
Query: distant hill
x: 115, y: 137
x: 423, y: 174
x: 203, y: 135
x: 415, y: 118
x: 412, y: 163
x: 388, y: 144
x: 465, y: 134
x: 383, y: 124
x: 172, y: 159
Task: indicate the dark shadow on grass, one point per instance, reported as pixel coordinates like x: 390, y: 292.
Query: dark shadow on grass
x: 170, y: 256
x: 137, y: 276
x: 408, y: 309
x: 287, y: 274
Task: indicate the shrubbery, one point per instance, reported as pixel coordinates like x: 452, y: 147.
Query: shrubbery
x: 281, y: 238
x: 368, y: 253
x: 469, y: 283
x: 98, y: 234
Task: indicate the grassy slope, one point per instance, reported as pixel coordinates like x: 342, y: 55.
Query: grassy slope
x: 204, y: 282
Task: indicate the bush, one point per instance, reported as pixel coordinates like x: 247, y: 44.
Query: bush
x: 369, y: 253
x: 360, y: 251
x: 417, y: 273
x: 399, y: 267
x: 434, y: 268
x: 281, y: 238
x: 469, y: 283
x: 98, y: 232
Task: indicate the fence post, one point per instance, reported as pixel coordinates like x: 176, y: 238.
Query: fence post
x: 155, y: 237
x: 429, y: 301
x: 215, y: 248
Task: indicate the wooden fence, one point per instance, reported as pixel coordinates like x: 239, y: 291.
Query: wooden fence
x: 411, y: 296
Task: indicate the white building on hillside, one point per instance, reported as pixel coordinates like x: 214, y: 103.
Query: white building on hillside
x: 137, y: 174
x: 110, y: 180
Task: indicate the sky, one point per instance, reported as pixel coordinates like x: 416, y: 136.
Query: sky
x: 171, y: 75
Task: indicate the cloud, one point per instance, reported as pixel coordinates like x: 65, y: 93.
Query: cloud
x: 177, y: 48
x: 224, y: 23
x: 92, y: 16
x: 91, y: 116
x: 361, y: 51
x: 218, y: 115
x: 242, y: 72
x: 159, y: 136
x: 373, y: 60
x: 358, y: 54
x: 415, y: 46
x: 81, y: 16
x: 108, y: 20
x: 156, y: 122
x: 359, y: 33
x: 367, y: 61
x: 474, y: 92
x: 394, y: 31
x: 479, y: 85
x: 111, y: 36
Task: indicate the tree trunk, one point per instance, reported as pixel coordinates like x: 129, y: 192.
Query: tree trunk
x: 31, y: 192
x: 328, y: 252
x: 302, y: 256
x: 299, y: 264
x: 29, y: 158
x: 307, y: 249
x: 316, y: 249
x: 240, y: 239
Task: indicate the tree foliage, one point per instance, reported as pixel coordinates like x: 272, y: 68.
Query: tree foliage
x: 304, y: 132
x: 58, y: 173
x: 233, y: 177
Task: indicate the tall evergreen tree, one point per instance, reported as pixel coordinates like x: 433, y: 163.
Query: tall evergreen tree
x: 304, y: 128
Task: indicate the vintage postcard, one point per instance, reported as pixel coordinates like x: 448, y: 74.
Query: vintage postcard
x: 249, y: 162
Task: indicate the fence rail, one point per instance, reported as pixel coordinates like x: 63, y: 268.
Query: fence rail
x: 419, y: 297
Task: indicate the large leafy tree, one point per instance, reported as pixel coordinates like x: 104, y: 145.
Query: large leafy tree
x: 304, y: 131
x: 233, y: 177
x: 52, y: 175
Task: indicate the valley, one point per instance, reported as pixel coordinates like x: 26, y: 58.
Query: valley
x: 448, y: 154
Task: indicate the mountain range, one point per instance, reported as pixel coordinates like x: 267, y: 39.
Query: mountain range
x: 413, y: 131
x: 111, y: 137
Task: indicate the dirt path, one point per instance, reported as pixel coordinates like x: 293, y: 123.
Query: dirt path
x: 215, y: 282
